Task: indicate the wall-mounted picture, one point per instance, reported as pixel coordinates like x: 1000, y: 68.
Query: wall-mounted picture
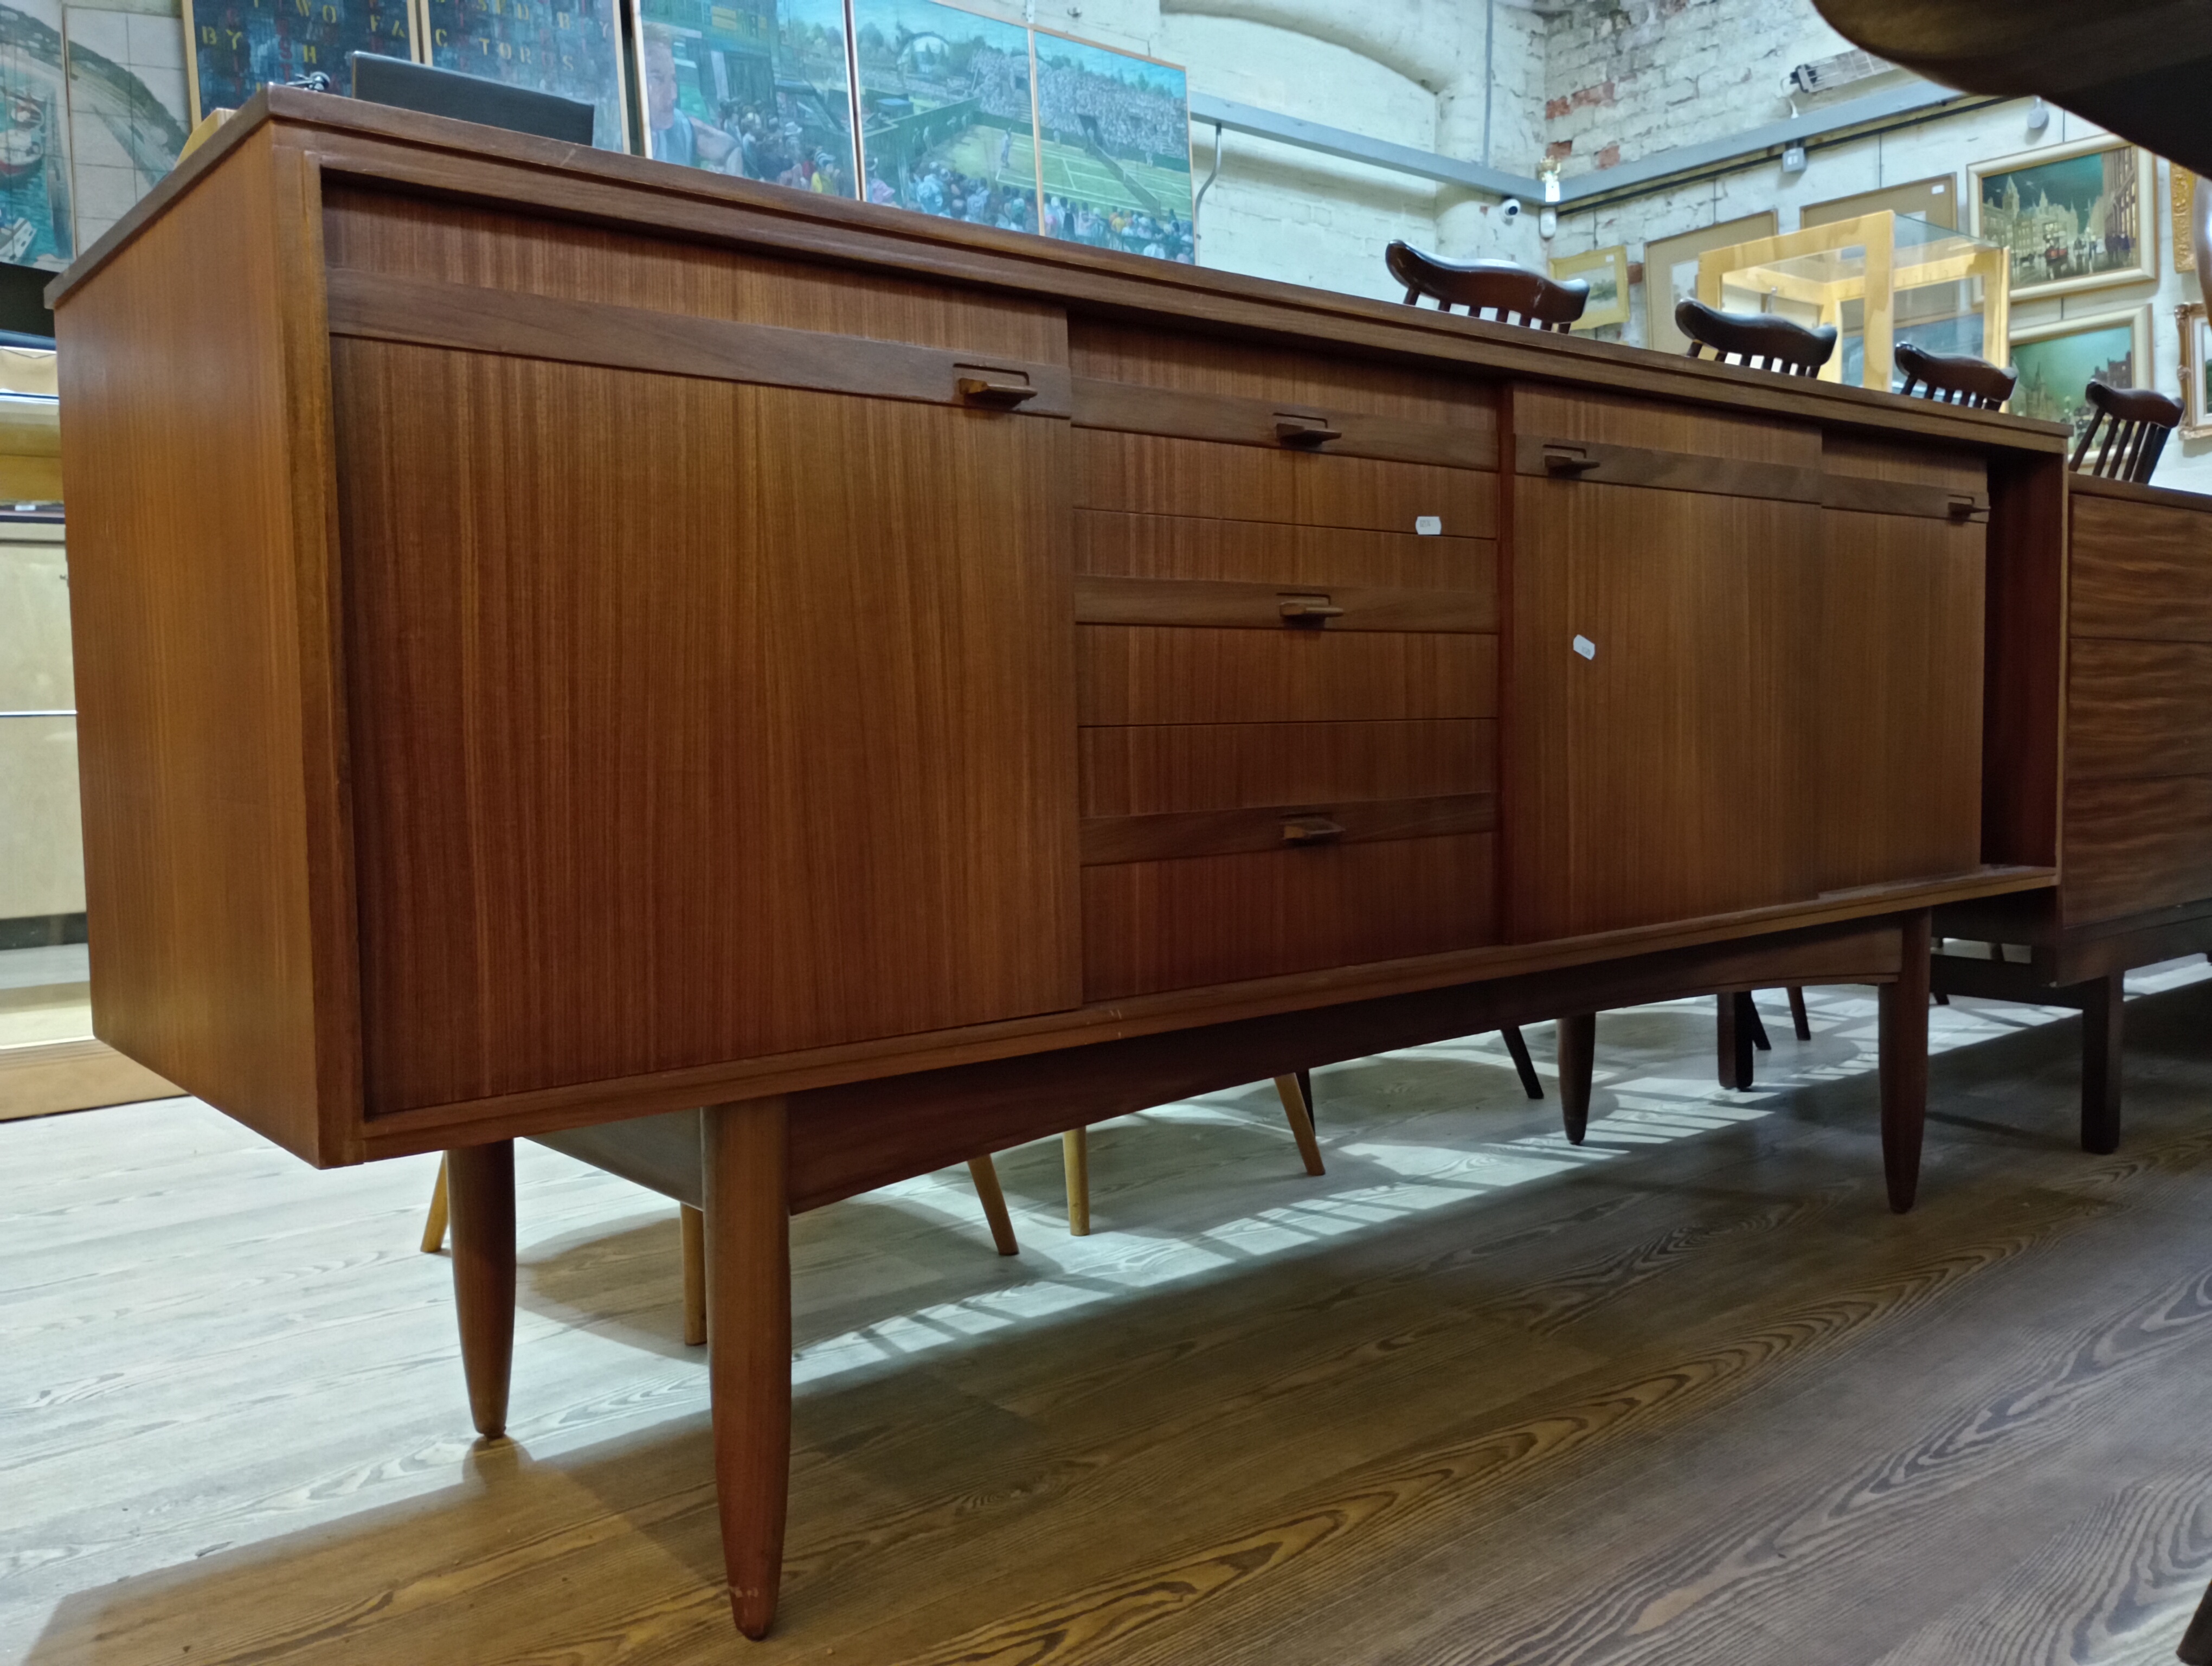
x: 127, y: 99
x: 1114, y: 138
x: 36, y: 226
x: 2056, y: 364
x: 2196, y: 371
x: 572, y: 47
x: 240, y: 46
x: 947, y: 122
x: 754, y: 88
x: 1670, y: 273
x: 2072, y: 216
x: 1606, y: 271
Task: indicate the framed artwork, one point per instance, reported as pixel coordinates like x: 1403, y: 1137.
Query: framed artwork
x: 2185, y: 216
x: 759, y: 89
x: 239, y: 47
x: 1935, y: 199
x: 1606, y: 271
x: 2070, y: 216
x: 2195, y: 370
x: 1670, y: 273
x: 948, y: 122
x: 2056, y: 362
x: 572, y: 47
x: 1113, y: 148
x: 36, y: 226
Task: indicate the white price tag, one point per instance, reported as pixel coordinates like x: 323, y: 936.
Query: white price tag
x: 1429, y: 526
x: 1586, y: 648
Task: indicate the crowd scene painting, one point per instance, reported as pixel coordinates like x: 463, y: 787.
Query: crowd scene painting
x: 1114, y: 133
x: 753, y: 88
x: 948, y: 126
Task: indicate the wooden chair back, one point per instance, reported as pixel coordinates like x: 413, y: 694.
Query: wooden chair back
x: 1492, y: 288
x: 1957, y: 379
x: 1760, y: 340
x: 2135, y: 421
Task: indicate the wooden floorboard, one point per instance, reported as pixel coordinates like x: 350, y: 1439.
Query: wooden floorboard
x: 1689, y: 1393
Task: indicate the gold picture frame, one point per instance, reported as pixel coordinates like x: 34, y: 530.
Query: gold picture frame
x: 1606, y: 270
x: 2196, y: 332
x: 1670, y: 272
x: 2055, y: 361
x: 2072, y: 216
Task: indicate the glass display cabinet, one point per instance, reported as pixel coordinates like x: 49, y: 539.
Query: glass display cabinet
x: 1880, y: 278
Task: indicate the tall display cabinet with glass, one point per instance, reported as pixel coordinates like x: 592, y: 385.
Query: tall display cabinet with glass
x: 1880, y: 279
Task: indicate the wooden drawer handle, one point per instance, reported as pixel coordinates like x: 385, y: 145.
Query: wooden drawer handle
x: 1310, y: 829
x: 985, y: 386
x: 1964, y: 507
x: 1296, y: 429
x: 1310, y: 609
x: 1569, y: 460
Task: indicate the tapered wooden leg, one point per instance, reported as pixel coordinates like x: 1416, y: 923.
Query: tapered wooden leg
x: 1294, y: 1107
x: 1577, y: 1049
x: 985, y: 1173
x: 480, y: 1190
x: 1904, y: 1049
x: 2101, y: 1013
x: 1306, y: 1087
x: 1531, y: 1084
x: 2196, y: 1648
x: 434, y: 1225
x: 1797, y: 1019
x: 1733, y: 1035
x: 1750, y: 1011
x: 694, y: 1276
x: 1075, y: 1161
x: 749, y: 1346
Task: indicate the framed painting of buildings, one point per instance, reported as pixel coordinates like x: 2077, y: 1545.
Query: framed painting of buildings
x: 1670, y: 273
x: 2071, y: 217
x: 572, y: 47
x: 1114, y: 148
x: 2056, y: 362
x: 1606, y: 271
x: 756, y: 89
x: 239, y: 47
x: 948, y: 120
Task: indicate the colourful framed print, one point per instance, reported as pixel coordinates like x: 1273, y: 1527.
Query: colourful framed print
x: 759, y: 89
x: 2196, y: 328
x: 572, y: 47
x: 1670, y: 273
x: 948, y: 122
x: 240, y: 46
x: 2056, y: 362
x: 1114, y: 148
x: 2071, y: 217
x: 37, y: 226
x: 1606, y: 271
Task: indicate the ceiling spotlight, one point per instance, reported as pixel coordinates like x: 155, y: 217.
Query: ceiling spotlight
x: 2038, y: 116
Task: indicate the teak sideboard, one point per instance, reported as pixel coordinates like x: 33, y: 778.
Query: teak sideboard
x: 562, y: 638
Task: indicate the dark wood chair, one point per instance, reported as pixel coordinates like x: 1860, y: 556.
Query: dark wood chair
x: 2196, y: 1648
x: 1760, y: 340
x: 1488, y: 288
x: 1957, y: 379
x: 2136, y: 422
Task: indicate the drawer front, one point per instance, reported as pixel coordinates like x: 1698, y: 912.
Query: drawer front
x: 2133, y: 846
x: 2140, y: 570
x: 1113, y: 544
x: 1183, y: 923
x: 1154, y: 474
x: 2137, y: 709
x: 1178, y: 674
x: 1163, y: 769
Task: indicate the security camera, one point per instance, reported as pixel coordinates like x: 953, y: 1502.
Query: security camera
x: 1511, y: 208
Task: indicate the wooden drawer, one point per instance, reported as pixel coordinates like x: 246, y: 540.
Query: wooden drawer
x: 2137, y: 708
x: 2132, y: 845
x: 1180, y: 924
x: 1111, y: 543
x: 1158, y: 769
x: 2139, y: 569
x: 1178, y: 674
x: 1155, y: 475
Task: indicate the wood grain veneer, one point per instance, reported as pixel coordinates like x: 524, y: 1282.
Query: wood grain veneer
x: 1112, y: 544
x: 2132, y: 846
x: 2139, y: 565
x: 1149, y: 474
x: 2138, y: 709
x: 1154, y: 768
x: 1240, y: 604
x: 1173, y: 674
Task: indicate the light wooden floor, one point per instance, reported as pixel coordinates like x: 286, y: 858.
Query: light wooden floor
x: 1689, y: 1395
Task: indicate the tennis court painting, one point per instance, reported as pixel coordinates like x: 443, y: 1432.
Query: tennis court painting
x: 1114, y: 138
x: 947, y: 121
